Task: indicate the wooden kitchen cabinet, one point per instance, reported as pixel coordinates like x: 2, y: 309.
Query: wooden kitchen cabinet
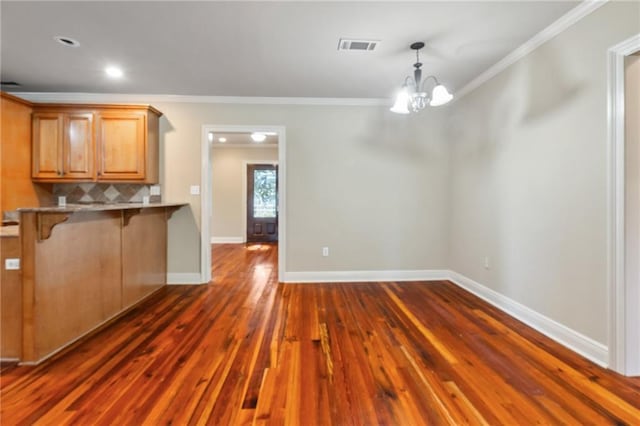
x: 81, y: 267
x: 10, y: 297
x: 108, y: 143
x: 62, y: 146
x: 143, y: 231
x: 128, y: 146
x: 71, y: 277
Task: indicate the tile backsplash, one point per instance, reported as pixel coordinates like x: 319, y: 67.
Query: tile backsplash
x: 103, y: 192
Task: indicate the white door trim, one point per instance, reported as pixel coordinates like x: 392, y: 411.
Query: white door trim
x: 624, y: 312
x: 207, y: 193
x: 245, y: 164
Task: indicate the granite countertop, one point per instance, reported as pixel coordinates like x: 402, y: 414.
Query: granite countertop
x: 97, y: 207
x: 9, y: 231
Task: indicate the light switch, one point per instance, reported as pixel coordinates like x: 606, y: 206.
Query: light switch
x: 195, y: 189
x: 154, y: 190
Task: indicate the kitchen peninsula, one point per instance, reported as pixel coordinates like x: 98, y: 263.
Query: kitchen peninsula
x: 76, y: 267
x: 83, y: 265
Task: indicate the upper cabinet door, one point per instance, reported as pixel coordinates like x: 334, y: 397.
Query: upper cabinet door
x: 88, y: 143
x: 47, y: 141
x: 122, y: 146
x: 63, y: 146
x: 78, y: 145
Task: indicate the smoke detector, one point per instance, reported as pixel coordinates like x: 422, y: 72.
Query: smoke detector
x: 357, y: 45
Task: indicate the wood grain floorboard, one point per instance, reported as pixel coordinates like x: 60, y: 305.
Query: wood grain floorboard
x: 245, y: 350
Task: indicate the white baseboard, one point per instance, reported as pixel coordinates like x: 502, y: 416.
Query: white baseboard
x: 365, y: 276
x: 227, y: 240
x: 176, y: 278
x: 577, y: 342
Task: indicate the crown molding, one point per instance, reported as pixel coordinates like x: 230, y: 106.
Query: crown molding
x: 149, y: 98
x: 564, y: 22
x: 9, y: 96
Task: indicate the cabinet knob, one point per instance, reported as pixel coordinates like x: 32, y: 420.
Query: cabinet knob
x: 59, y: 173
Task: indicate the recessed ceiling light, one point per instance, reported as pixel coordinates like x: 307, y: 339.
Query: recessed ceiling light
x: 67, y: 41
x: 222, y: 140
x: 113, y: 72
x: 258, y: 137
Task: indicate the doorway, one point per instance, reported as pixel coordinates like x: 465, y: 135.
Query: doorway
x: 624, y: 209
x: 262, y: 203
x: 210, y: 137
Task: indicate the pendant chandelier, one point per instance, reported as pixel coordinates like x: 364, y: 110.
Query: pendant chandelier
x: 414, y: 95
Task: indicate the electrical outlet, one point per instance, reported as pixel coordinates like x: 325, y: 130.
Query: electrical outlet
x: 486, y: 262
x: 195, y: 189
x: 12, y: 264
x: 154, y: 190
x: 325, y: 251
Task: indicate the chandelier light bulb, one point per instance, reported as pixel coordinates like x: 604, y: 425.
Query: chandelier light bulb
x: 401, y: 106
x: 440, y: 96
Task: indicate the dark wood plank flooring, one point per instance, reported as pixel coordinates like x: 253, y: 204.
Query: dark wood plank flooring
x: 247, y: 350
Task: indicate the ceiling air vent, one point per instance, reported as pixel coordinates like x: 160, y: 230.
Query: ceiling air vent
x: 9, y: 84
x: 358, y: 45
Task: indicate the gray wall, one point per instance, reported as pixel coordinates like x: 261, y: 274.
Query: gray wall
x: 529, y: 183
x: 367, y: 183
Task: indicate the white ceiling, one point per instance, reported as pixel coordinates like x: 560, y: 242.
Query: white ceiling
x: 238, y: 48
x: 243, y: 139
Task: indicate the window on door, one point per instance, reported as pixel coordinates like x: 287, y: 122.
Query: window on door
x: 262, y: 203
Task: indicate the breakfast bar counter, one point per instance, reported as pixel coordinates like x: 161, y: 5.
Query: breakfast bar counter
x: 98, y: 207
x: 83, y: 265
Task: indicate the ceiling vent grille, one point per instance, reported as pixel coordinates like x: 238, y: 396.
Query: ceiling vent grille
x: 358, y: 45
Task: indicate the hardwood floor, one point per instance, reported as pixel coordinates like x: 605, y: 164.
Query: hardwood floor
x: 246, y: 349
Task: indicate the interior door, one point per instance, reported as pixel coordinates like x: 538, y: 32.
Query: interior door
x: 262, y: 203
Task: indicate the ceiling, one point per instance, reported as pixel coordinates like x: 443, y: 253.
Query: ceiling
x: 273, y: 49
x: 243, y: 139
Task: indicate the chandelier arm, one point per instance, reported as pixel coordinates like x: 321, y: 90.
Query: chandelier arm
x: 410, y: 82
x: 424, y: 82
